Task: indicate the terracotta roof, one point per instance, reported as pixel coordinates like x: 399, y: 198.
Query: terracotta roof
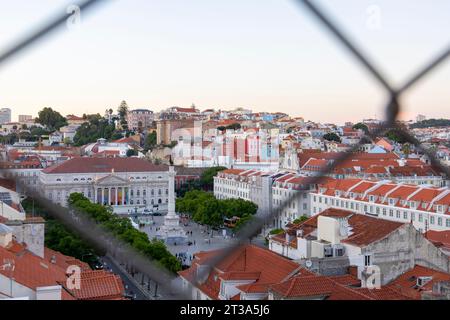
x: 345, y: 287
x: 99, y: 285
x: 439, y: 238
x: 103, y: 165
x: 245, y: 262
x: 426, y: 195
x: 33, y: 271
x: 366, y: 230
x: 240, y: 275
x: 407, y: 282
x: 315, y: 286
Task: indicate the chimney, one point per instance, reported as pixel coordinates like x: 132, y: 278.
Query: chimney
x: 53, y: 259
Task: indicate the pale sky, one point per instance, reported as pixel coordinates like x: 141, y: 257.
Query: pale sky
x: 267, y: 55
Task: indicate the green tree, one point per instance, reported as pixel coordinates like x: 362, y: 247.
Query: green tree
x: 207, y: 177
x: 131, y: 153
x: 204, y: 208
x: 97, y: 127
x: 431, y: 123
x: 361, y: 126
x: 395, y: 135
x: 300, y: 220
x: 331, y: 136
x: 150, y: 141
x: 122, y: 228
x: 234, y: 126
x: 123, y: 112
x: 51, y: 119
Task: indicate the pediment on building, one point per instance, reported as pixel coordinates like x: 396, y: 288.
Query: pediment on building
x: 111, y: 180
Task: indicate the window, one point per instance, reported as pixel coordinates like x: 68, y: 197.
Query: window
x: 432, y: 220
x: 405, y: 215
x: 420, y: 217
x: 367, y: 260
x: 439, y: 221
x: 447, y: 223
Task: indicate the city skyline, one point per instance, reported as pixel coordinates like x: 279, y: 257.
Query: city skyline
x: 273, y: 58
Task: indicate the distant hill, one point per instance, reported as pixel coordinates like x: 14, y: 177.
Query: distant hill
x: 431, y: 123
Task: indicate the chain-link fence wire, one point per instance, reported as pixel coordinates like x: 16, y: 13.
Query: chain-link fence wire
x: 105, y: 241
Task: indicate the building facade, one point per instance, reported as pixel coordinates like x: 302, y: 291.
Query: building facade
x: 425, y: 206
x: 140, y: 118
x: 5, y: 115
x: 123, y: 183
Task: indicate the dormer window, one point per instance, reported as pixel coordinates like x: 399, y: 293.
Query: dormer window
x: 371, y: 198
x: 424, y: 205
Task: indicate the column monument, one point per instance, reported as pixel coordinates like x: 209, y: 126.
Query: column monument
x: 171, y: 231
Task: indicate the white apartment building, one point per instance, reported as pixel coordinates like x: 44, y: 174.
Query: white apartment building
x: 123, y: 183
x: 426, y: 207
x: 5, y: 115
x: 290, y: 198
x: 336, y: 239
x: 250, y: 185
x: 267, y: 190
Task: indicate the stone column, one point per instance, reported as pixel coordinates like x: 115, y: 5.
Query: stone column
x: 116, y: 202
x: 123, y: 195
x: 171, y: 204
x: 109, y: 196
x: 95, y: 195
x: 103, y: 196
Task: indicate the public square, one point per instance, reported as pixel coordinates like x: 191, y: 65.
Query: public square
x: 201, y: 238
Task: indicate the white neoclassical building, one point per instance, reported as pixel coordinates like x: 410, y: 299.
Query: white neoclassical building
x: 123, y: 183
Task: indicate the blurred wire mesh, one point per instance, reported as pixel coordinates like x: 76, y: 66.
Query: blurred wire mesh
x: 105, y: 242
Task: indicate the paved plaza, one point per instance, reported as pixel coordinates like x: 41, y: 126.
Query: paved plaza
x: 199, y: 237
